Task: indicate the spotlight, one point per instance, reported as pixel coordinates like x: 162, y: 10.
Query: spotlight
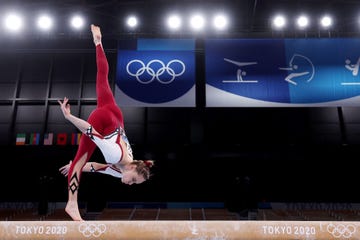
x: 220, y: 22
x: 197, y: 22
x: 13, y: 22
x: 77, y: 22
x: 279, y: 22
x: 326, y: 21
x: 174, y: 22
x: 44, y: 22
x: 132, y: 21
x: 302, y: 21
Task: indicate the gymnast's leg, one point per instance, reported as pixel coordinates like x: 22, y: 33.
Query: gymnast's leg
x: 103, y: 90
x: 83, y: 154
x: 99, y: 119
x: 105, y: 97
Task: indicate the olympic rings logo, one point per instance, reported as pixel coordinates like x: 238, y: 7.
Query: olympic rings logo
x: 92, y: 229
x: 341, y: 230
x: 157, y: 73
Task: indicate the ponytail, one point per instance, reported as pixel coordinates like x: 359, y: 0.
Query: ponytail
x: 143, y: 167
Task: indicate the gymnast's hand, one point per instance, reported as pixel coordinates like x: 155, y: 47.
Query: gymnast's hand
x: 65, y: 169
x: 65, y: 107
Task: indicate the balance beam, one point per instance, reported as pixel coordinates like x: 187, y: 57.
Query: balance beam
x: 224, y: 230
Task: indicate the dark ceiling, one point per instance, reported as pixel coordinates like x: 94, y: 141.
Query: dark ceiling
x: 247, y: 16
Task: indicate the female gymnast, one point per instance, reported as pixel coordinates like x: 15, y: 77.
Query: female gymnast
x: 104, y: 129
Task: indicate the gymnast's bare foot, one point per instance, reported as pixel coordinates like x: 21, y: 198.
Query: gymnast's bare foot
x: 72, y: 209
x: 96, y: 34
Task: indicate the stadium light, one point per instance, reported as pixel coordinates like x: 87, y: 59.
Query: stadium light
x: 279, y: 22
x: 132, y: 21
x: 197, y: 22
x: 77, y: 22
x: 302, y: 22
x: 220, y: 22
x: 174, y: 22
x: 326, y: 21
x: 13, y: 22
x: 44, y: 22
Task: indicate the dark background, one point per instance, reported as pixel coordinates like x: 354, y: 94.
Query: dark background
x: 228, y: 155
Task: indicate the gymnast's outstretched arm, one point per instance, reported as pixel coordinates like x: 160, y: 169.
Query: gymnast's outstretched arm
x: 79, y: 123
x: 88, y: 167
x: 94, y: 167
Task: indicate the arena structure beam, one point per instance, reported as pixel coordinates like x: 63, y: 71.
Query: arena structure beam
x: 224, y: 230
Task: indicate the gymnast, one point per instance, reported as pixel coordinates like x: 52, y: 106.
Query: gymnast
x: 104, y: 129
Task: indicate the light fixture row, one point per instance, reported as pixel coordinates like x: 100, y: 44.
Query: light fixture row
x: 302, y: 22
x: 14, y: 22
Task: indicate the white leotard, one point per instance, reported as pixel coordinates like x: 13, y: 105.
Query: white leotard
x: 110, y: 144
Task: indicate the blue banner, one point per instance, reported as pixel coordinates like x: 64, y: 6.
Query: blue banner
x: 158, y: 77
x: 282, y: 72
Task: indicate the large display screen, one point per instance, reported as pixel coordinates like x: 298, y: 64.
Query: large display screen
x: 282, y: 72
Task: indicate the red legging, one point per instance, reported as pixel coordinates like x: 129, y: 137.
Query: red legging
x: 106, y: 117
